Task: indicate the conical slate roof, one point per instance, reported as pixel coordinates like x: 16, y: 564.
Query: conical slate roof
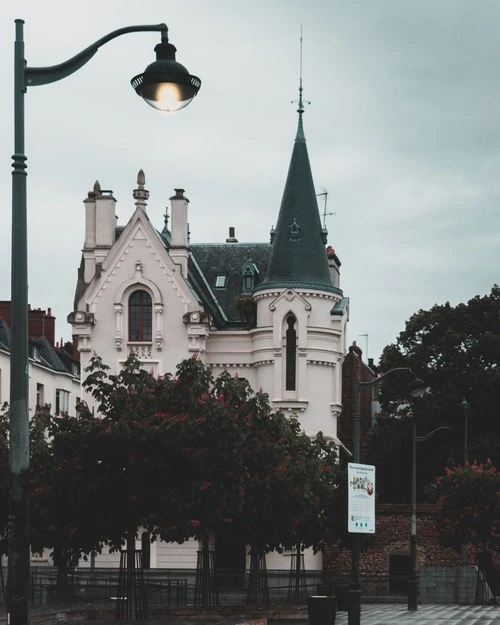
x: 298, y: 256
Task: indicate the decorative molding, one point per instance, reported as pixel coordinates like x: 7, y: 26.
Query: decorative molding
x: 143, y: 351
x: 287, y: 405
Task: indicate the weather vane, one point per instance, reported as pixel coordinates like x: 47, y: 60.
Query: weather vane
x: 300, y: 101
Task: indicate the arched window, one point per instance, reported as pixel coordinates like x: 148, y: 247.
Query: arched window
x: 146, y: 550
x: 140, y: 316
x: 291, y: 354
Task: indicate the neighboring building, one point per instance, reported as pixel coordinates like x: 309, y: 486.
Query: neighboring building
x: 54, y: 375
x: 271, y: 312
x: 368, y: 398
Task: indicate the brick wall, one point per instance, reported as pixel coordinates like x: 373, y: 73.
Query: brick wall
x: 392, y: 537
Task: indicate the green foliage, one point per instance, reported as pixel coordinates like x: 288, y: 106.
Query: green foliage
x: 469, y: 506
x: 4, y: 475
x: 180, y: 456
x: 456, y: 351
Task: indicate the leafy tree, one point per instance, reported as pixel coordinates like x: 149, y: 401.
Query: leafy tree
x: 456, y: 351
x: 4, y: 476
x: 181, y: 456
x: 469, y: 506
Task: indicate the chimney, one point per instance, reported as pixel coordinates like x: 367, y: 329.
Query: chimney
x: 180, y: 238
x: 41, y: 324
x: 231, y: 238
x: 100, y: 222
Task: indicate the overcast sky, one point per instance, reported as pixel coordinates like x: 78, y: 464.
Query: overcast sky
x: 402, y: 131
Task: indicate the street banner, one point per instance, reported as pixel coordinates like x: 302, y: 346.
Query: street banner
x: 361, y: 498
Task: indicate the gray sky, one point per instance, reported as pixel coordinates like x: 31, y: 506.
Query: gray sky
x: 403, y: 132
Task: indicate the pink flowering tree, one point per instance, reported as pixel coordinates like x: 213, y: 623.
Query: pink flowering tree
x: 469, y: 506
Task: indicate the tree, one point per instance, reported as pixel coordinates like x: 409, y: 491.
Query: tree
x: 4, y: 476
x: 183, y: 456
x: 469, y: 506
x: 456, y: 351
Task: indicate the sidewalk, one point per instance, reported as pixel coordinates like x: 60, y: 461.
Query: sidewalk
x: 428, y: 614
x: 371, y: 614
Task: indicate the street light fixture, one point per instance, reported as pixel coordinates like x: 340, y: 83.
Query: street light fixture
x: 412, y: 580
x: 167, y: 86
x: 416, y: 388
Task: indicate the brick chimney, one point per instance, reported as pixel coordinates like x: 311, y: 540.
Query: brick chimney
x: 41, y: 323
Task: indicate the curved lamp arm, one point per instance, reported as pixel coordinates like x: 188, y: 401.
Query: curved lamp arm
x: 34, y: 76
x: 384, y: 375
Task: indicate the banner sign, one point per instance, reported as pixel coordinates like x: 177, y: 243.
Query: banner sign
x: 361, y: 498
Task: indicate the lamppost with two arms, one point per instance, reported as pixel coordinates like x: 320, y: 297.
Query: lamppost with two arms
x: 166, y: 85
x: 416, y: 388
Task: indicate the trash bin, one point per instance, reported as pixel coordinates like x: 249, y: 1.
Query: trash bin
x: 321, y: 610
x: 342, y: 594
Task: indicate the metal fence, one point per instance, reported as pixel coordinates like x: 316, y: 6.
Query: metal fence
x: 177, y: 587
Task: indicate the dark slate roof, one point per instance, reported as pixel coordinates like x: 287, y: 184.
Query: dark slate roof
x: 5, y: 336
x: 298, y: 257
x: 210, y: 260
x: 47, y: 355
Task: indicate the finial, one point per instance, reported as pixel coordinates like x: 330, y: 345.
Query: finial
x: 300, y: 101
x: 141, y: 194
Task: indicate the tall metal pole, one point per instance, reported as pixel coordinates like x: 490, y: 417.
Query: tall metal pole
x: 354, y: 612
x: 412, y: 581
x: 18, y: 524
x: 465, y: 408
x: 18, y: 529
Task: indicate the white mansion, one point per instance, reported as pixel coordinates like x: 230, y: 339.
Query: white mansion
x: 271, y: 312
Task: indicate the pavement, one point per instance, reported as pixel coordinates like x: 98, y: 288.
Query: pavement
x: 428, y: 614
x: 371, y: 614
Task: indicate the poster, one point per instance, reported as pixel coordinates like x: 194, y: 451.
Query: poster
x: 361, y: 498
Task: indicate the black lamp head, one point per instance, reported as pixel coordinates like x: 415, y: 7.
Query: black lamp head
x: 166, y: 85
x: 417, y: 387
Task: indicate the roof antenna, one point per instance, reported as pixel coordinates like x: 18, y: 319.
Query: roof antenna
x: 324, y: 194
x: 300, y: 101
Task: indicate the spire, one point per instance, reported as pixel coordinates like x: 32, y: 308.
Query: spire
x: 141, y: 194
x: 298, y: 256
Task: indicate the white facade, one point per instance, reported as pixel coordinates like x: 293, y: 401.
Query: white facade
x: 46, y: 385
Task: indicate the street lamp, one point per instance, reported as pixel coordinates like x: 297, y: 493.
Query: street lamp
x: 465, y: 409
x: 416, y: 388
x: 166, y: 85
x: 412, y: 580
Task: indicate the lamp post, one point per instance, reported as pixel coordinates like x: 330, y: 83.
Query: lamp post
x: 416, y: 388
x: 412, y: 580
x: 465, y: 409
x: 166, y: 85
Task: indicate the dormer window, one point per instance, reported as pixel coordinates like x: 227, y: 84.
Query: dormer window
x: 248, y: 282
x: 294, y: 231
x: 220, y: 281
x: 249, y: 271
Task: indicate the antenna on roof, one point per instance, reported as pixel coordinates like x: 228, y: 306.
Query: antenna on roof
x: 300, y: 101
x: 365, y: 334
x: 324, y: 194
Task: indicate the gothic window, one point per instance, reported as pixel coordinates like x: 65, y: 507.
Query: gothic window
x: 146, y: 550
x: 140, y: 316
x: 248, y: 281
x: 291, y: 354
x: 249, y: 272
